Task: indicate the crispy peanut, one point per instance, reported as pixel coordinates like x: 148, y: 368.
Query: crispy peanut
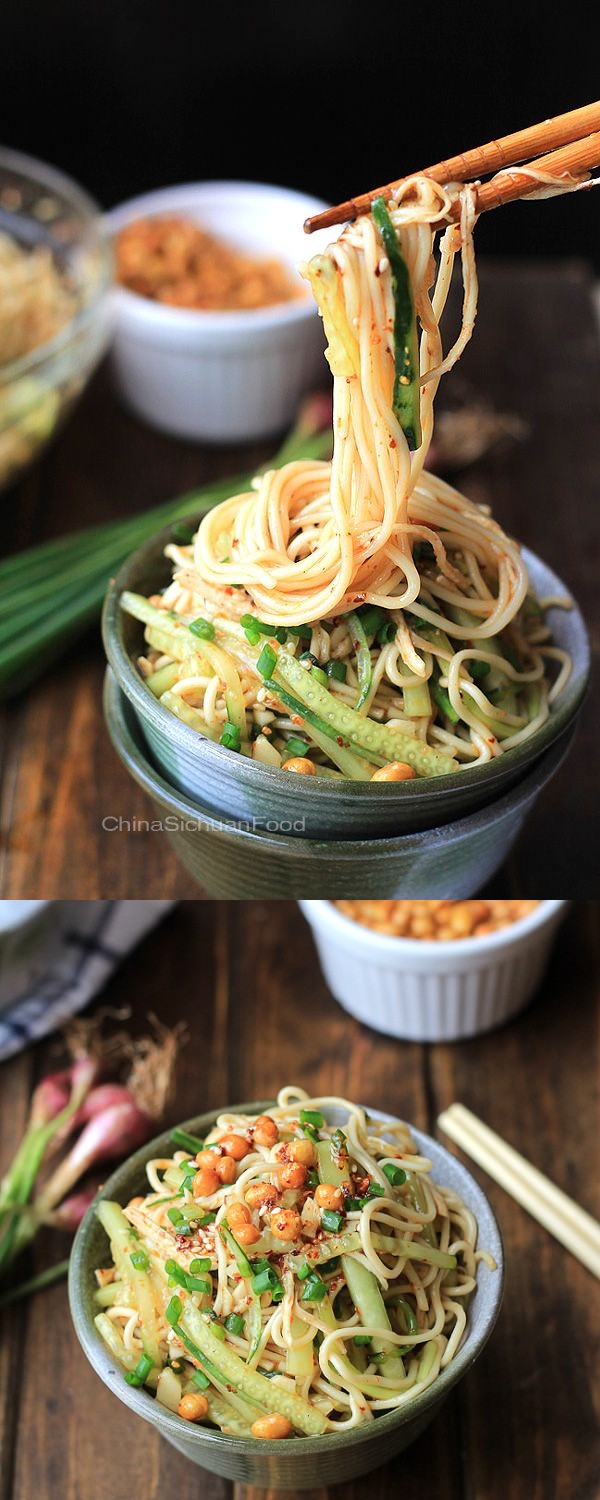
x: 304, y: 1152
x: 329, y: 1197
x: 247, y: 1234
x: 236, y: 1146
x: 272, y: 1426
x: 300, y: 764
x: 285, y: 1224
x: 265, y: 1131
x: 205, y: 1183
x: 237, y: 1213
x: 293, y: 1176
x: 193, y: 1407
x: 210, y: 1157
x: 261, y: 1195
x: 226, y: 1169
x: 396, y: 770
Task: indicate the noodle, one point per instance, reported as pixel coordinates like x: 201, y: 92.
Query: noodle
x: 325, y: 1317
x: 313, y: 548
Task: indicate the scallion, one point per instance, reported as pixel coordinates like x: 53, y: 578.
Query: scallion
x: 202, y: 628
x: 142, y: 1370
x: 200, y: 1380
x: 331, y: 1220
x: 312, y: 1117
x: 267, y: 662
x: 139, y: 1259
x: 173, y: 1311
x: 315, y: 1289
x: 186, y: 1141
x: 234, y: 1324
x: 394, y: 1174
x: 337, y: 670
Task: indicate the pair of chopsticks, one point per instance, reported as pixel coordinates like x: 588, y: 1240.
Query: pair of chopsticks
x: 569, y: 1223
x: 569, y: 143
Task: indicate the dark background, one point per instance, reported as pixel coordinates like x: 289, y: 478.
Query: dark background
x: 328, y: 97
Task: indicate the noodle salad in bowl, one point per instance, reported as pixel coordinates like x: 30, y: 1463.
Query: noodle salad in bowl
x: 363, y: 619
x: 288, y: 1275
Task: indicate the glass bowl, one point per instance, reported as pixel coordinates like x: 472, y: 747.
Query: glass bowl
x: 41, y: 207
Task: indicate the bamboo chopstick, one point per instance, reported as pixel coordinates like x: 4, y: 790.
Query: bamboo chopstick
x: 570, y: 1224
x: 494, y: 156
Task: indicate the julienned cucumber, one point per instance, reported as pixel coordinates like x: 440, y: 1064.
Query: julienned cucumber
x: 364, y: 734
x: 406, y: 398
x: 303, y: 1416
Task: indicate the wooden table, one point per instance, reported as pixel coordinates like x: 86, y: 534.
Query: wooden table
x: 535, y: 352
x: 246, y: 978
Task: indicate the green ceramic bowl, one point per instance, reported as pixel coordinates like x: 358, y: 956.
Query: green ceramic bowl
x: 292, y: 1464
x: 235, y: 858
x: 233, y: 785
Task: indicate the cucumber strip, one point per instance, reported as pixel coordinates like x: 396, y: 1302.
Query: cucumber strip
x: 370, y: 1306
x: 441, y: 699
x: 406, y: 398
x: 417, y: 702
x: 165, y: 678
x: 114, y: 1342
x: 222, y: 1414
x: 175, y: 638
x: 418, y: 1201
x: 264, y: 1393
x: 254, y: 1315
x: 332, y: 1168
x: 106, y: 1296
x: 299, y: 1361
x: 363, y: 658
x: 119, y: 1231
x: 364, y: 734
x: 188, y: 715
x: 324, y: 736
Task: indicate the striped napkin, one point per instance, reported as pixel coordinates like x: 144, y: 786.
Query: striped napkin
x: 84, y: 943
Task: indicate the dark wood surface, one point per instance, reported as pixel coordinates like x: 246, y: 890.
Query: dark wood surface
x: 246, y: 978
x: 535, y: 352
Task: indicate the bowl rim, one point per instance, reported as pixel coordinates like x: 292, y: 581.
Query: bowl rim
x: 334, y: 924
x: 252, y: 319
x: 54, y: 178
x: 194, y: 747
x: 143, y: 1404
x: 159, y: 789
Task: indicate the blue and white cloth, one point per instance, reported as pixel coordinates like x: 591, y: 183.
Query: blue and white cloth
x: 82, y: 943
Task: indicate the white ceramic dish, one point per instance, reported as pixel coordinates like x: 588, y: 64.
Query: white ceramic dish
x: 432, y: 991
x: 222, y: 376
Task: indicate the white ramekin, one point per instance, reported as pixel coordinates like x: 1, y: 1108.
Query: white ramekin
x: 222, y: 376
x: 432, y: 991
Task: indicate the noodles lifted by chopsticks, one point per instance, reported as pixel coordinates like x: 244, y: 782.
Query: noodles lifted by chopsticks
x: 289, y: 1267
x: 408, y: 600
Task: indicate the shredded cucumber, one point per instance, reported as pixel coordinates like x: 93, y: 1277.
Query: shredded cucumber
x: 264, y: 1393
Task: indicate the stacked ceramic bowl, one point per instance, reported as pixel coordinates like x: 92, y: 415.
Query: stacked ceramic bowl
x: 242, y: 828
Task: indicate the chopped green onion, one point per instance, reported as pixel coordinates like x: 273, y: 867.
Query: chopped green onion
x: 187, y: 1183
x: 312, y: 1117
x: 331, y: 1265
x: 142, y: 1370
x: 219, y: 1331
x: 267, y: 662
x: 175, y: 1215
x: 234, y: 1324
x: 354, y: 1205
x: 200, y: 1380
x: 338, y: 1141
x: 315, y: 1289
x: 320, y: 675
x: 139, y: 1259
x: 277, y: 1294
x: 337, y: 670
x: 231, y: 737
x: 304, y: 632
x: 313, y: 1178
x: 173, y: 1311
x: 308, y: 659
x: 311, y: 1132
x: 371, y: 617
x: 178, y: 1365
x: 255, y: 628
x: 296, y: 746
x: 361, y: 1338
x: 304, y: 1271
x: 394, y: 1174
x: 331, y: 1220
x: 201, y: 1263
x: 387, y: 633
x: 208, y: 1218
x: 203, y: 628
x: 374, y: 1190
x: 267, y: 1280
x: 187, y: 1142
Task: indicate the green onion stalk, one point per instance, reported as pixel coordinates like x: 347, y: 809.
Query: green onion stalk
x: 51, y: 593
